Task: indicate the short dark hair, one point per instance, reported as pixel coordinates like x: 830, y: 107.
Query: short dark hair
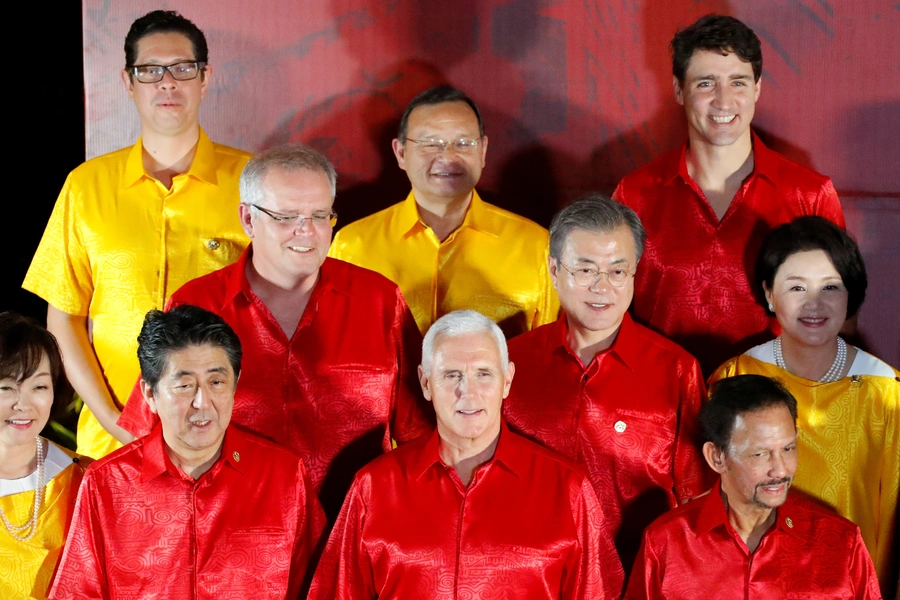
x: 164, y: 21
x: 716, y: 33
x: 437, y: 95
x: 734, y: 396
x: 23, y: 344
x: 185, y: 325
x: 595, y: 213
x: 812, y: 233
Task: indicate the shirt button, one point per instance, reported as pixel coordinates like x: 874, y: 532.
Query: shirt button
x: 620, y: 426
x: 213, y: 244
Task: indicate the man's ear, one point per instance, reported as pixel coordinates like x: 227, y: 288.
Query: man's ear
x: 246, y: 218
x: 676, y: 88
x: 715, y: 458
x: 553, y: 267
x: 399, y: 153
x: 149, y: 396
x: 425, y: 383
x: 127, y: 82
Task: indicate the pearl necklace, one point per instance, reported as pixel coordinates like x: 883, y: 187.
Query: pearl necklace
x: 17, y: 531
x: 834, y: 372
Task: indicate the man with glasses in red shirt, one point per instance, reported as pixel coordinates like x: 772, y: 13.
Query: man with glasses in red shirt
x: 609, y: 394
x: 332, y: 348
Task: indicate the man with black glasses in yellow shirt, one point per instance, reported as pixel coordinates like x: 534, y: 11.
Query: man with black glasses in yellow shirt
x: 443, y: 246
x: 130, y: 227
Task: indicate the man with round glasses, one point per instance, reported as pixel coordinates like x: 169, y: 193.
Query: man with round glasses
x: 445, y: 247
x: 130, y: 227
x: 609, y: 394
x: 332, y: 349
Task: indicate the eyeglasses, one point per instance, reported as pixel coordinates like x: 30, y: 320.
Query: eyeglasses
x: 586, y: 276
x: 296, y: 221
x: 436, y: 146
x: 182, y: 71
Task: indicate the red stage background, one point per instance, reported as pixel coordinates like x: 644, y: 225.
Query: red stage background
x: 575, y: 94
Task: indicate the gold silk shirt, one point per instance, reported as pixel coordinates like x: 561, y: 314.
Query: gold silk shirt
x: 26, y: 568
x: 848, y: 443
x: 119, y: 243
x: 495, y: 263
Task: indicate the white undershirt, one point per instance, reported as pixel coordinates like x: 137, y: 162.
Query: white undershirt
x: 54, y: 464
x: 863, y: 364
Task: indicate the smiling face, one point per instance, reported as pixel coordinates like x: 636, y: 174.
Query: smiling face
x: 25, y: 406
x: 719, y: 97
x: 467, y: 385
x: 595, y: 311
x: 761, y: 460
x: 440, y: 177
x: 194, y: 399
x: 288, y: 255
x: 168, y: 107
x: 809, y: 298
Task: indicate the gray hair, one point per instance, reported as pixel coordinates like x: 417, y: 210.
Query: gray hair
x: 292, y: 157
x: 460, y: 322
x: 595, y: 213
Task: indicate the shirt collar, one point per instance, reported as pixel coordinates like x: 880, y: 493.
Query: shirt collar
x: 713, y: 514
x: 625, y: 346
x: 203, y: 166
x: 236, y: 281
x: 764, y: 162
x: 509, y: 453
x: 478, y: 217
x: 156, y: 461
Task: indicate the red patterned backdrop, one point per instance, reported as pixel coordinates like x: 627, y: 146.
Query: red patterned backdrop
x: 574, y: 93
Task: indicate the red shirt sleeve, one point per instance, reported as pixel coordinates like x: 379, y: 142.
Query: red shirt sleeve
x: 598, y: 573
x: 309, y: 533
x: 345, y: 570
x: 412, y: 416
x: 828, y: 205
x: 644, y: 582
x: 862, y: 571
x: 137, y: 418
x: 692, y: 475
x: 82, y: 569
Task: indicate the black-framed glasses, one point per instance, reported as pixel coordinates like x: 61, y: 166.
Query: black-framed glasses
x: 295, y: 221
x: 588, y: 276
x: 436, y: 145
x: 180, y: 71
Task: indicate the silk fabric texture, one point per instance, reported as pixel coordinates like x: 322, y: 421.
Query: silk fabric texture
x: 119, y: 243
x: 495, y: 263
x: 337, y: 390
x: 849, y: 448
x: 694, y: 281
x: 27, y: 567
x: 694, y: 553
x: 629, y: 418
x: 143, y: 529
x: 527, y: 527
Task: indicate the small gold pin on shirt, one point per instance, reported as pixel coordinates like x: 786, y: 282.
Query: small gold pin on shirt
x: 787, y: 521
x: 237, y: 457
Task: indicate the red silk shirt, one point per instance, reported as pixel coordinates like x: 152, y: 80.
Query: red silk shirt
x: 629, y: 419
x: 527, y: 527
x: 693, y: 553
x: 694, y: 281
x: 338, y: 390
x: 143, y: 529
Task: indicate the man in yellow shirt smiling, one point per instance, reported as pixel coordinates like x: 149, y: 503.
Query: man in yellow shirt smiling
x: 443, y: 246
x: 129, y: 228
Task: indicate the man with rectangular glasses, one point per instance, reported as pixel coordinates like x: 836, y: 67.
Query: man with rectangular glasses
x: 609, y: 394
x: 129, y: 228
x: 444, y: 246
x: 332, y: 347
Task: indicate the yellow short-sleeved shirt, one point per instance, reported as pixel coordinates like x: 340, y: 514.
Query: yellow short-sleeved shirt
x: 119, y: 243
x: 495, y: 263
x: 848, y: 443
